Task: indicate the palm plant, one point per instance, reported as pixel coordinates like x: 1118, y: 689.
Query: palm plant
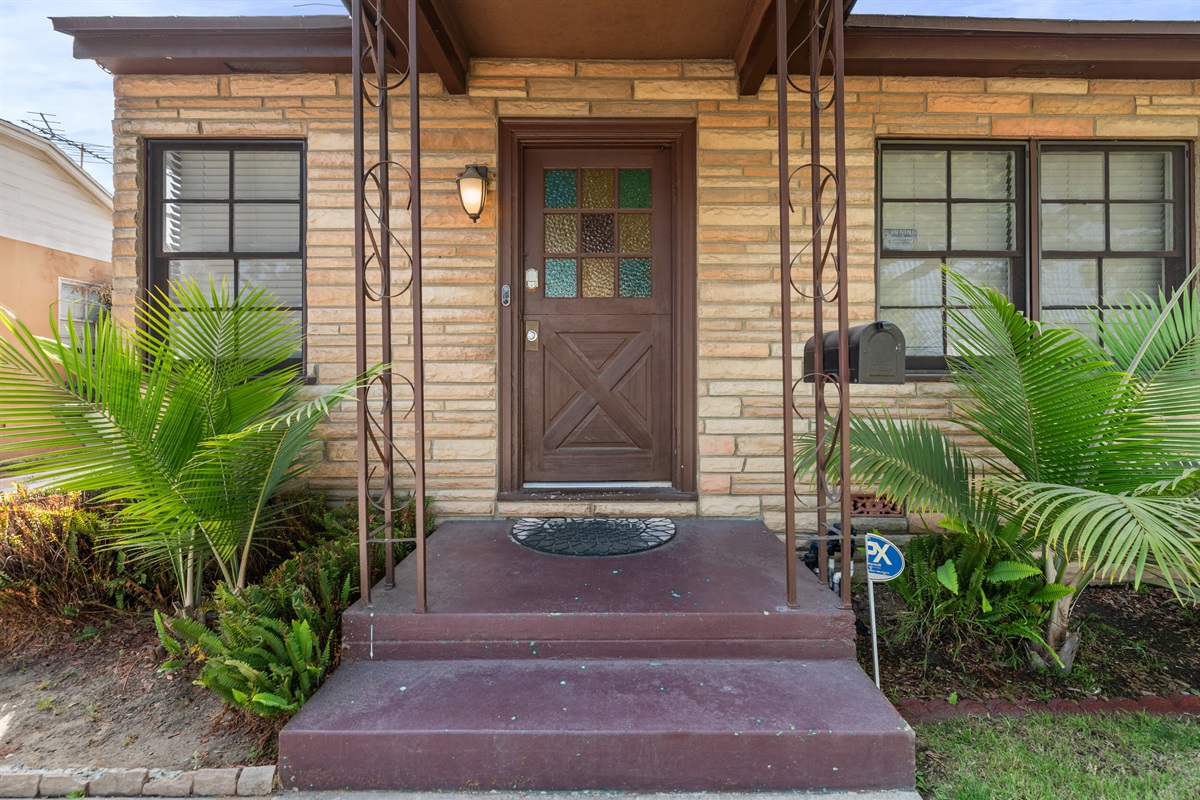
x: 1097, y: 448
x: 188, y: 418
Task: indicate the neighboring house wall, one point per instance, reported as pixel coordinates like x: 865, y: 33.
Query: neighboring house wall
x: 55, y: 222
x: 738, y: 388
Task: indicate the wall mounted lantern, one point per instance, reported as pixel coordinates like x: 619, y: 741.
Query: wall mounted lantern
x: 472, y: 190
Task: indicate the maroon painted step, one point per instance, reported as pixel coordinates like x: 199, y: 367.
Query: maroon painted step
x: 687, y: 724
x: 714, y: 591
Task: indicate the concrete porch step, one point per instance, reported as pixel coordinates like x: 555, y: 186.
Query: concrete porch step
x: 716, y: 590
x: 629, y: 724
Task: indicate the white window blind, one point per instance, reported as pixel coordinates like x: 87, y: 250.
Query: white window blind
x: 79, y: 304
x: 231, y: 214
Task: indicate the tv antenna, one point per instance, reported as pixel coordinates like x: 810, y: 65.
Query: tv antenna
x: 46, y: 126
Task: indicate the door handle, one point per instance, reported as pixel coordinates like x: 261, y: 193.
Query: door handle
x: 532, y: 335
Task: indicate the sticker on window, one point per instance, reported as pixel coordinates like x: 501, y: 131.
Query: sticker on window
x: 899, y: 238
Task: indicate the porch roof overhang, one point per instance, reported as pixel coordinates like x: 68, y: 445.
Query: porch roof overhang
x: 743, y: 31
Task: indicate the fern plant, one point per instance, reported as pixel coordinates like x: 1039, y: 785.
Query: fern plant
x: 982, y: 588
x: 255, y: 659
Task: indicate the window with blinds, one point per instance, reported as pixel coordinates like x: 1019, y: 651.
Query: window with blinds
x: 1113, y: 223
x: 232, y: 213
x: 959, y: 205
x: 1111, y: 218
x: 80, y: 304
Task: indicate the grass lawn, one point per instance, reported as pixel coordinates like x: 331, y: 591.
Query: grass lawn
x: 1090, y: 757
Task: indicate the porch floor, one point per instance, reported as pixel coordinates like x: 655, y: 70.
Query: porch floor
x: 717, y: 589
x: 680, y: 668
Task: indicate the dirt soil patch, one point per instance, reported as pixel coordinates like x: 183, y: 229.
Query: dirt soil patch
x: 90, y: 695
x: 1135, y: 643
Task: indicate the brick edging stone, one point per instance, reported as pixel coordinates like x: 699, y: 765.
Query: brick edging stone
x: 915, y: 711
x: 101, y: 782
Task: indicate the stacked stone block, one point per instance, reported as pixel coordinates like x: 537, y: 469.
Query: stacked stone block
x: 738, y: 378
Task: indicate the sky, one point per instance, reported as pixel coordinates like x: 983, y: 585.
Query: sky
x: 38, y: 73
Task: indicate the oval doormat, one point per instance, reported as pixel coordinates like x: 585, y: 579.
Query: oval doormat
x: 593, y: 536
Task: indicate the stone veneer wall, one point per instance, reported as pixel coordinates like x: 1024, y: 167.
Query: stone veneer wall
x: 738, y: 372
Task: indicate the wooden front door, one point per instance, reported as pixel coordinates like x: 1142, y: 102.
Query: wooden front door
x: 597, y: 377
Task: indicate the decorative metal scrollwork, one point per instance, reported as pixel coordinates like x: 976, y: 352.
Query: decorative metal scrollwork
x: 379, y: 231
x: 385, y: 62
x: 820, y: 223
x: 824, y: 253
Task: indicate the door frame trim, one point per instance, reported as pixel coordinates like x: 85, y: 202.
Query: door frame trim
x: 517, y: 136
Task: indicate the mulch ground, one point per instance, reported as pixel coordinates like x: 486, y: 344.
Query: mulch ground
x: 1140, y: 651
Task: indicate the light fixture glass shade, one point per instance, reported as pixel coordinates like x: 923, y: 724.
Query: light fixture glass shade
x: 472, y: 190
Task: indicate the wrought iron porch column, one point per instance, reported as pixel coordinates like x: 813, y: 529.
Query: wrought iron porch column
x: 374, y: 40
x: 824, y: 41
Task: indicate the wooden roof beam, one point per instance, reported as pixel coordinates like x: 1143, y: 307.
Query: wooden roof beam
x: 755, y: 52
x: 442, y: 44
x: 754, y: 57
x: 442, y: 47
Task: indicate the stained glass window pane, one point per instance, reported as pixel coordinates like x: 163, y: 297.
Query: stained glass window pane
x: 635, y: 233
x: 635, y: 277
x: 562, y: 233
x: 635, y: 188
x: 560, y: 188
x: 598, y: 276
x: 598, y: 188
x: 597, y: 233
x: 560, y: 277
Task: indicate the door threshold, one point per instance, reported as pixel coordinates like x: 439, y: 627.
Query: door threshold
x: 600, y: 485
x: 641, y: 491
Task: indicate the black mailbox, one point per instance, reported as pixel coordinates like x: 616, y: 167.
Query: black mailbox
x: 876, y: 354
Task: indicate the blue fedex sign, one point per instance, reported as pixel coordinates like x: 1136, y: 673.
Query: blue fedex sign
x: 884, y: 559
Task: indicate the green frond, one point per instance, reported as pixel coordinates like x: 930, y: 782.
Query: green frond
x: 1007, y: 571
x: 1051, y: 592
x: 913, y: 461
x: 1118, y: 534
x: 1021, y: 377
x: 947, y: 575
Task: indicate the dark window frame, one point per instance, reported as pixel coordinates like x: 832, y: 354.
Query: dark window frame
x: 1026, y: 287
x: 157, y: 262
x: 1174, y: 260
x: 1018, y: 256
